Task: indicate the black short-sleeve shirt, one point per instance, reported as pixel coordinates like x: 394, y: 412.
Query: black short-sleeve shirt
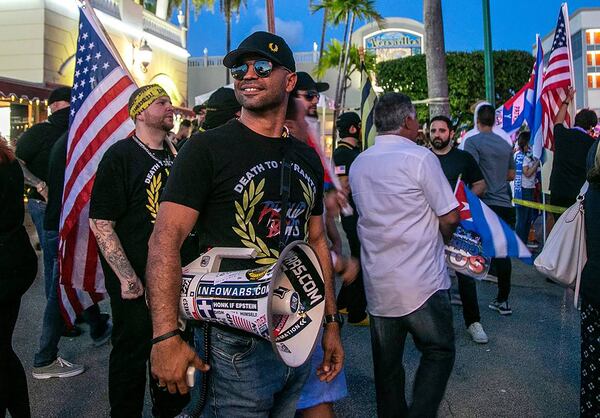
x: 232, y: 176
x: 127, y: 190
x: 571, y: 147
x: 460, y: 163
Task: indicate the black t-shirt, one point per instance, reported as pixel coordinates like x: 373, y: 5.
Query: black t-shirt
x: 343, y: 157
x: 127, y: 189
x: 56, y: 182
x: 231, y: 176
x: 571, y: 147
x: 34, y: 145
x: 458, y: 162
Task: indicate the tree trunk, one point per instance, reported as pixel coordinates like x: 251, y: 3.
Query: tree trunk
x: 346, y: 59
x: 435, y: 59
x: 228, y: 43
x: 340, y: 63
x: 270, y: 16
x: 323, y: 30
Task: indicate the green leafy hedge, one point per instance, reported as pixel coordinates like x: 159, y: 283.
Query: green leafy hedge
x: 466, y: 79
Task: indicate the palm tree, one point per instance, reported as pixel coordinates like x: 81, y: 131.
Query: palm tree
x: 435, y: 58
x: 228, y: 8
x: 347, y: 11
x: 331, y: 57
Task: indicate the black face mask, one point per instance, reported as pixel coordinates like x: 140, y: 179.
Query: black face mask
x: 345, y: 133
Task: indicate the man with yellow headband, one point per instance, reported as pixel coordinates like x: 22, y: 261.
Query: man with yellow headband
x: 123, y: 208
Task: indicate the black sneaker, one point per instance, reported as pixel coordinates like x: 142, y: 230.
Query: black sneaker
x: 501, y: 307
x: 72, y: 332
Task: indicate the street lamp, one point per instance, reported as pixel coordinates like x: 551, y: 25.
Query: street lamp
x: 145, y: 56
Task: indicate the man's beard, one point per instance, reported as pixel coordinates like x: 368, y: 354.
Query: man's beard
x: 271, y: 101
x: 161, y: 124
x: 438, y: 143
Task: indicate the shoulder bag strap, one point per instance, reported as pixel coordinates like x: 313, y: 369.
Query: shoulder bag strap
x: 284, y: 189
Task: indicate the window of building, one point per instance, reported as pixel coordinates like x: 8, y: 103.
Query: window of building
x: 594, y: 80
x: 592, y: 36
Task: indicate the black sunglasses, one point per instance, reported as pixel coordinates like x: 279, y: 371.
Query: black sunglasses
x: 262, y: 68
x: 310, y: 95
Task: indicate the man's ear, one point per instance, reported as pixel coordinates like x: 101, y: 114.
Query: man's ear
x: 352, y: 129
x: 291, y: 79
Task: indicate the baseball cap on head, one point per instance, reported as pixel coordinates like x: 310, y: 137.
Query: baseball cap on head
x: 348, y: 119
x: 61, y: 94
x: 306, y: 82
x: 264, y: 44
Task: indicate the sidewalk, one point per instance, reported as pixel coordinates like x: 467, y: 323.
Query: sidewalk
x: 529, y: 368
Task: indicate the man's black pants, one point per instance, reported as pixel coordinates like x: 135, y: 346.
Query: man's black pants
x: 127, y: 369
x: 503, y: 266
x: 353, y: 296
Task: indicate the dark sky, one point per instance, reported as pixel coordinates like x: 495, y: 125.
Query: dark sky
x: 514, y: 23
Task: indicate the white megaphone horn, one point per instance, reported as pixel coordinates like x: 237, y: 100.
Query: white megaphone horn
x: 282, y: 302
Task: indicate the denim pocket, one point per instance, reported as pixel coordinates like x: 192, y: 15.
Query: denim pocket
x: 232, y: 347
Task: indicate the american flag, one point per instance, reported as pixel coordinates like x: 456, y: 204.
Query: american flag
x: 557, y: 78
x: 99, y: 118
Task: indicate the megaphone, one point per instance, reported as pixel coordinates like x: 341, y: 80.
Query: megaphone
x: 283, y: 302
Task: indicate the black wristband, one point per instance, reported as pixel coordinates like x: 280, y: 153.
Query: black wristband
x: 165, y: 336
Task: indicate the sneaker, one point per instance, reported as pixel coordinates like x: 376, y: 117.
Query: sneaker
x: 58, y: 368
x: 100, y: 341
x: 72, y: 332
x: 477, y: 333
x: 501, y: 307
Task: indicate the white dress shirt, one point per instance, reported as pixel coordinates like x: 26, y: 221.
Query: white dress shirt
x: 400, y: 191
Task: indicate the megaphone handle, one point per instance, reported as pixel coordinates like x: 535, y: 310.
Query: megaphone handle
x: 190, y: 376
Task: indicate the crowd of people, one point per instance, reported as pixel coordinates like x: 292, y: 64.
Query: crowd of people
x: 160, y: 199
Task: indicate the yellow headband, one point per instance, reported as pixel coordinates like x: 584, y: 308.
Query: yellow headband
x: 143, y: 97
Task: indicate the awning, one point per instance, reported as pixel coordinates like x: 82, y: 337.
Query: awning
x: 19, y: 89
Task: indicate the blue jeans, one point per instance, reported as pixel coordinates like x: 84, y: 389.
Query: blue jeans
x: 53, y: 325
x: 247, y: 379
x: 37, y: 210
x: 525, y: 216
x: 433, y: 333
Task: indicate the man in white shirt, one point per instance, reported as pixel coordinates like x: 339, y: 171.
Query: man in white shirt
x: 406, y: 211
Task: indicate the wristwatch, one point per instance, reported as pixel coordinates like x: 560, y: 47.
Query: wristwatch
x: 336, y: 317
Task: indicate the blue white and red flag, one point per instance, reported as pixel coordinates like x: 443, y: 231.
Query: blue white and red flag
x: 535, y: 119
x: 99, y: 118
x: 498, y: 239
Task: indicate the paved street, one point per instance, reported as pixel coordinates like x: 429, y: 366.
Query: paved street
x: 529, y: 368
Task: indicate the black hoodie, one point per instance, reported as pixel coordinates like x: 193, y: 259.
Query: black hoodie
x: 34, y: 145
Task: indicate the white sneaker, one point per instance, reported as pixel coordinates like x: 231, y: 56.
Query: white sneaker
x: 477, y: 333
x: 58, y: 368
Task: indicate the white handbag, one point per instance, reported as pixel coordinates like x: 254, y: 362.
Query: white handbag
x: 565, y: 252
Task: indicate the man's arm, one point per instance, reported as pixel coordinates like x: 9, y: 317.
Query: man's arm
x: 448, y: 224
x: 333, y: 358
x: 479, y: 187
x: 169, y: 358
x: 113, y: 252
x: 510, y: 174
x: 564, y: 107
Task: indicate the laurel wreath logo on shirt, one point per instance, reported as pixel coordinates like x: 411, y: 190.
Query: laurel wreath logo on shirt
x: 309, y: 196
x: 153, y: 192
x: 246, y: 231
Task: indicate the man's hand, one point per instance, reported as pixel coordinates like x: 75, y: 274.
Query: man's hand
x: 170, y: 360
x: 570, y: 95
x: 333, y: 353
x: 132, y: 288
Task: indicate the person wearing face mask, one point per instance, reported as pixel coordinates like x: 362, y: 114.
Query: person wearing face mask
x: 460, y: 164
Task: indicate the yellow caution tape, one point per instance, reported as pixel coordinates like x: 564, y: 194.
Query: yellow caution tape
x: 540, y: 206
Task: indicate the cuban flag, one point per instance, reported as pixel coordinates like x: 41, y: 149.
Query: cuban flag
x: 499, y: 240
x: 535, y: 118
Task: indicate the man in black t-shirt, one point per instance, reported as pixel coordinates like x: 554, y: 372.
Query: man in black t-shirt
x: 571, y: 147
x: 227, y: 182
x: 123, y: 209
x: 351, y: 297
x: 460, y: 164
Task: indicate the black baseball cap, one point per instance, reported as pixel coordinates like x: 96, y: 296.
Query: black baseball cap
x: 196, y: 109
x: 61, y: 94
x: 306, y: 82
x: 264, y: 44
x: 346, y: 120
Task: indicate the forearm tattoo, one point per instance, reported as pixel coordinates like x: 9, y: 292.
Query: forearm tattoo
x: 111, y: 248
